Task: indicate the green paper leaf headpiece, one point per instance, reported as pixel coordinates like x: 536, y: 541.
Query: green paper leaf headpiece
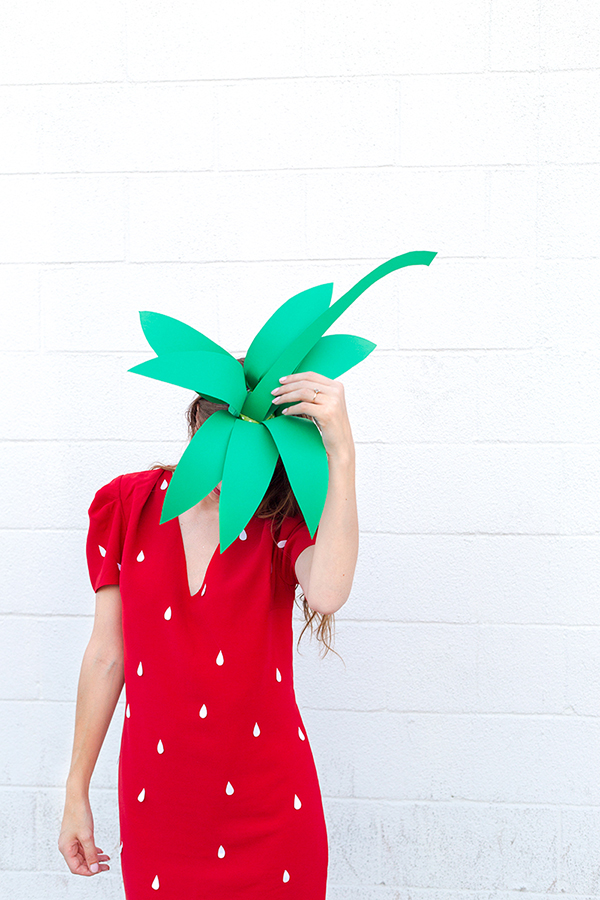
x: 240, y: 446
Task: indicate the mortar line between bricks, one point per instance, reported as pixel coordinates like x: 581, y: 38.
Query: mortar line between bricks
x: 363, y: 801
x: 473, y: 714
x: 303, y: 78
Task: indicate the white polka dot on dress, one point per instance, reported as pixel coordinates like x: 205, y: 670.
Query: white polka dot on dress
x: 164, y: 485
x: 203, y: 591
x: 286, y: 875
x: 140, y: 669
x: 128, y: 711
x: 229, y: 788
x: 168, y: 612
x: 160, y: 747
x: 102, y: 550
x: 277, y: 674
x: 155, y: 883
x: 221, y: 852
x: 140, y: 557
x: 256, y: 731
x: 297, y: 803
x: 243, y: 535
x: 142, y: 795
x: 203, y: 711
x: 301, y: 734
x: 281, y: 544
x: 220, y: 659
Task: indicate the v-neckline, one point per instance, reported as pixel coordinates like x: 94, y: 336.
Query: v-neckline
x: 185, y: 565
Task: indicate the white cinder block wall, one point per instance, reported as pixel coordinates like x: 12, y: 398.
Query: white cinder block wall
x: 208, y: 161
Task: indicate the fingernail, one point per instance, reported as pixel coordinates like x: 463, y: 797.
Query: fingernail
x: 283, y: 377
x: 94, y: 867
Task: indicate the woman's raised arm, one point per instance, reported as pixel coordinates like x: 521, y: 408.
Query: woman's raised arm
x: 325, y: 570
x: 100, y: 684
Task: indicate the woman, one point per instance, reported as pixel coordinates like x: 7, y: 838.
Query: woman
x: 218, y: 790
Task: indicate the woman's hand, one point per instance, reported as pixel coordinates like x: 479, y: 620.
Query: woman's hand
x: 327, y: 407
x: 76, y: 841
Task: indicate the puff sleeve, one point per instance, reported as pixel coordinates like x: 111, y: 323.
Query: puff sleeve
x: 294, y: 537
x: 105, y: 535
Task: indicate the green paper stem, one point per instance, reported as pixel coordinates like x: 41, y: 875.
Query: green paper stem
x: 249, y: 465
x: 258, y: 401
x: 303, y: 453
x: 201, y: 466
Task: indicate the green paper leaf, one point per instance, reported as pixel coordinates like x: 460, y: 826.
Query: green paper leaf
x: 335, y: 354
x: 201, y: 466
x: 284, y: 325
x: 258, y: 401
x: 249, y: 465
x: 166, y: 335
x: 303, y: 453
x: 202, y: 371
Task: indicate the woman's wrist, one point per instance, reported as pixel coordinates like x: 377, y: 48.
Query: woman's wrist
x: 78, y: 786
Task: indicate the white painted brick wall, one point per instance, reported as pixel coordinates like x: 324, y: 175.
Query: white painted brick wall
x: 208, y: 165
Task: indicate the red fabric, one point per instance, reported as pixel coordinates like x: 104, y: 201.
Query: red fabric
x: 231, y: 808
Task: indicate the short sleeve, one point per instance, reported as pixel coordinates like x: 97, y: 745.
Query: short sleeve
x: 105, y: 535
x: 294, y: 537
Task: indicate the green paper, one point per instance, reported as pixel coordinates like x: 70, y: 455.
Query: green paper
x: 201, y: 467
x: 335, y: 354
x: 249, y: 465
x: 202, y: 371
x: 287, y: 322
x: 165, y: 335
x: 303, y: 453
x: 258, y: 402
x: 240, y: 453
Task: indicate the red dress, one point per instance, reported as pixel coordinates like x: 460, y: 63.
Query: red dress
x: 219, y: 797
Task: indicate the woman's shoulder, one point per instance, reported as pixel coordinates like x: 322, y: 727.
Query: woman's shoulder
x: 126, y: 487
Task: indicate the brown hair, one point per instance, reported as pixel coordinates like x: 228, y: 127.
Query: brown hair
x: 278, y: 502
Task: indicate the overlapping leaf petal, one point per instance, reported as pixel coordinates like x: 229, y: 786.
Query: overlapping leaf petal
x: 201, y: 465
x: 305, y: 459
x: 249, y: 465
x: 216, y: 374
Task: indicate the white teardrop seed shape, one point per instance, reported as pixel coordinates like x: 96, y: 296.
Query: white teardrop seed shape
x: 160, y: 747
x: 164, y: 485
x: 142, y: 795
x: 277, y: 674
x: 286, y: 875
x: 203, y: 711
x: 128, y: 711
x: 140, y: 669
x: 120, y: 848
x: 168, y: 613
x: 256, y: 731
x: 221, y: 852
x: 301, y: 735
x: 243, y: 535
x: 203, y: 591
x: 220, y: 659
x: 297, y: 803
x: 102, y: 550
x: 155, y: 883
x: 140, y: 557
x: 119, y: 566
x: 281, y: 544
x: 229, y: 788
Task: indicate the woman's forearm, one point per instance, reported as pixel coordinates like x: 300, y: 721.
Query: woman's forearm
x: 336, y: 546
x: 100, y: 683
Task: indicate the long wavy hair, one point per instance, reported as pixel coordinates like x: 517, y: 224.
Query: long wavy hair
x: 278, y: 502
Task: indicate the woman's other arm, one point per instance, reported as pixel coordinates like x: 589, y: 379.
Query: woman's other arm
x: 100, y: 683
